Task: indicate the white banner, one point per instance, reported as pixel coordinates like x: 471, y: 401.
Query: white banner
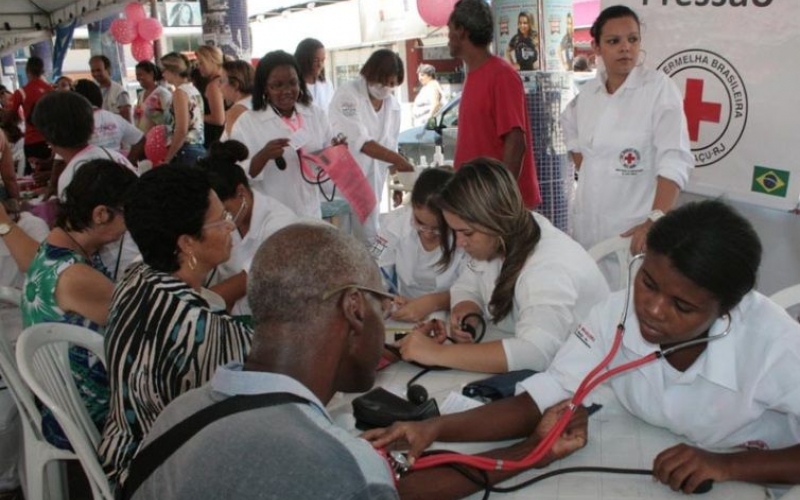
x: 732, y: 61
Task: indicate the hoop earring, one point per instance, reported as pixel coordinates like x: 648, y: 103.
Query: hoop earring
x: 642, y: 57
x: 192, y: 262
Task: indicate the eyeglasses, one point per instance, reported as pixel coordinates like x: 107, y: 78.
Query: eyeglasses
x: 227, y: 220
x: 387, y: 299
x: 422, y: 228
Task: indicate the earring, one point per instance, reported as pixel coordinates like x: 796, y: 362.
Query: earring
x: 192, y: 262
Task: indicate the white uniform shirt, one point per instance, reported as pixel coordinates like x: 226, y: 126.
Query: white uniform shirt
x: 269, y: 215
x: 247, y: 102
x: 256, y: 128
x: 352, y: 114
x: 321, y: 94
x: 743, y: 389
x: 627, y: 140
x: 416, y: 269
x: 89, y: 153
x: 556, y: 289
x: 112, y: 131
x: 34, y: 227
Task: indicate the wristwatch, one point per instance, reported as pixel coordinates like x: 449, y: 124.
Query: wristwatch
x: 655, y: 215
x: 5, y: 228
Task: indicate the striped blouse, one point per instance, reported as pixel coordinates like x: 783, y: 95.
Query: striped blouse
x: 162, y: 339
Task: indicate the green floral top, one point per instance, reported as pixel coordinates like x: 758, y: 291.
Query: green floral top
x: 39, y: 306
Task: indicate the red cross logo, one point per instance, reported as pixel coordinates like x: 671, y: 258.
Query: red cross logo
x: 697, y: 110
x: 629, y: 158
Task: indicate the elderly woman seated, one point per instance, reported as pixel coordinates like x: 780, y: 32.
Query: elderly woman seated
x: 163, y: 336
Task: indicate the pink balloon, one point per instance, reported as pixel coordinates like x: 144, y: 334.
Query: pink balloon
x: 123, y: 31
x: 142, y: 50
x: 135, y: 12
x: 149, y: 29
x: 435, y: 12
x: 155, y: 146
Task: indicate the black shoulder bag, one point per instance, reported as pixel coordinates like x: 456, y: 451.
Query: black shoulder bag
x: 158, y: 451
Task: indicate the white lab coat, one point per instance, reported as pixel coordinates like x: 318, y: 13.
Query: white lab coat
x: 557, y: 288
x: 256, y: 128
x: 627, y: 140
x: 352, y: 114
x: 269, y: 215
x: 744, y: 388
x: 416, y: 269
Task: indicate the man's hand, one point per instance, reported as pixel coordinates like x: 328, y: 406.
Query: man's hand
x: 572, y: 439
x: 684, y: 467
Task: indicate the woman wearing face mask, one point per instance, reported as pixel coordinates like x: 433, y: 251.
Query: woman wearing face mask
x: 366, y: 111
x: 282, y: 124
x: 631, y: 170
x: 529, y: 279
x: 414, y: 239
x: 256, y: 216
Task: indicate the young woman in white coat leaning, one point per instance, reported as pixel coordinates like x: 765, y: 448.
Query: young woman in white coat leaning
x: 527, y: 278
x: 281, y: 125
x: 627, y: 134
x: 366, y: 112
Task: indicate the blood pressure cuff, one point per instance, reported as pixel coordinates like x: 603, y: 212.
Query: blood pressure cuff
x: 381, y: 408
x: 496, y: 387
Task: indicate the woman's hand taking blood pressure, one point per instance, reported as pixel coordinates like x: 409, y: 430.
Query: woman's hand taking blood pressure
x: 415, y: 436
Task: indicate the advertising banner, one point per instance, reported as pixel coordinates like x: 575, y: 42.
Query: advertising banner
x: 731, y: 61
x: 518, y: 33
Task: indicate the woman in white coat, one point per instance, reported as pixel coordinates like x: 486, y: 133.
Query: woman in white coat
x: 282, y: 124
x: 366, y: 112
x: 257, y: 216
x: 413, y: 256
x: 735, y: 398
x: 528, y: 278
x: 627, y: 134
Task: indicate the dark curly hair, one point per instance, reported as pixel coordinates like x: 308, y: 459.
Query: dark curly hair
x: 166, y: 203
x: 65, y: 119
x: 222, y: 167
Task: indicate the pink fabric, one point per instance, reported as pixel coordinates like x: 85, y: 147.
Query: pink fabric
x: 348, y: 177
x: 47, y: 211
x: 493, y: 104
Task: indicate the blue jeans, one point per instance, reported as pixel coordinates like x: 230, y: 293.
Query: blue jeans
x: 188, y: 155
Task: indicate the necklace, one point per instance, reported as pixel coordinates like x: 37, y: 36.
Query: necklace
x: 83, y: 250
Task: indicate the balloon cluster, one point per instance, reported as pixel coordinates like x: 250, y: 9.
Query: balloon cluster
x: 138, y: 30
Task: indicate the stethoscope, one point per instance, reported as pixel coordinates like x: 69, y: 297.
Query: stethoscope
x: 399, y: 461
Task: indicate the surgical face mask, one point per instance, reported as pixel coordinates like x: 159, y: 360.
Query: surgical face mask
x: 379, y: 91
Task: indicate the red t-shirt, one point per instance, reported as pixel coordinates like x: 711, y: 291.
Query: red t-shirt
x: 493, y: 104
x: 34, y: 90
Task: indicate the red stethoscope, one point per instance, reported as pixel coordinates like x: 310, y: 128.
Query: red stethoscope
x: 400, y: 464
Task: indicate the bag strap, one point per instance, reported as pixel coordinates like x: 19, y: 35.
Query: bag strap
x: 159, y: 450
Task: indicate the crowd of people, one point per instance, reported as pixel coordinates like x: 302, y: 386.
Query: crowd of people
x: 213, y: 276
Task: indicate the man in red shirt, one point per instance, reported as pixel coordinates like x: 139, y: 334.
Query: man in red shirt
x: 493, y: 119
x: 27, y: 97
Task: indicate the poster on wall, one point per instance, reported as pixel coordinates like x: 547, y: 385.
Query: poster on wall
x: 729, y: 61
x: 517, y: 33
x: 181, y: 14
x: 225, y: 26
x: 390, y: 20
x: 557, y: 31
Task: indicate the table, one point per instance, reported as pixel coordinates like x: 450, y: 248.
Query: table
x: 616, y: 439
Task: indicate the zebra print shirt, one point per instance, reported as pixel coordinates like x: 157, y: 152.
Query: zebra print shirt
x: 162, y: 339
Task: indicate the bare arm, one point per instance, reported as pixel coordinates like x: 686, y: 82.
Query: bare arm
x: 232, y: 289
x: 514, y: 151
x: 378, y: 152
x: 231, y: 116
x: 7, y: 172
x: 577, y: 159
x: 181, y: 106
x: 666, y: 195
x: 125, y: 112
x: 137, y: 151
x: 216, y: 104
x: 21, y: 246
x: 271, y: 150
x: 86, y: 291
x: 486, y: 357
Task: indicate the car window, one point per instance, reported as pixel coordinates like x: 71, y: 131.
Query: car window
x: 450, y: 117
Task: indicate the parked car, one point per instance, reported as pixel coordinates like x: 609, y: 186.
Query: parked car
x: 440, y: 130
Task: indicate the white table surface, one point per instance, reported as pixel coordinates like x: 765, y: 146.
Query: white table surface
x: 616, y: 439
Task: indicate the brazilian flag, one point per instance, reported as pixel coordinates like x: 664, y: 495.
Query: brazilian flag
x: 770, y: 181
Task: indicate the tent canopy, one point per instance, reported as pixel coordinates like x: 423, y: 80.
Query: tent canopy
x: 27, y: 21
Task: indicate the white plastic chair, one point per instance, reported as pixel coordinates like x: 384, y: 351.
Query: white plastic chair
x: 40, y: 481
x: 788, y: 297
x: 613, y: 256
x: 43, y: 360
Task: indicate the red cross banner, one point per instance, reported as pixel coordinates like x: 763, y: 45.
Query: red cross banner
x: 732, y: 61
